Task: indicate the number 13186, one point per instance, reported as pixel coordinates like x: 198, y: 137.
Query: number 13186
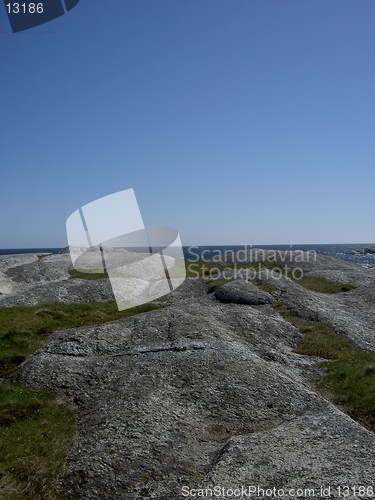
x: 25, y: 8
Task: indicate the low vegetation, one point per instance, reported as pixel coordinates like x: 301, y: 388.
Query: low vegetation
x: 322, y: 285
x: 36, y: 434
x: 37, y: 427
x: 87, y: 276
x: 212, y: 271
x: 350, y: 383
x: 349, y: 379
x: 41, y: 256
x: 266, y: 287
x: 25, y: 329
x: 319, y: 338
x: 201, y: 268
x: 213, y: 285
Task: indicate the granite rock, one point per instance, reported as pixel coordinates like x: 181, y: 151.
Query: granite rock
x: 243, y: 292
x: 205, y: 391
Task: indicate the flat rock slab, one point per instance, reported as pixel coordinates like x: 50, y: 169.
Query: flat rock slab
x: 285, y: 457
x: 195, y: 394
x: 48, y: 268
x: 61, y: 292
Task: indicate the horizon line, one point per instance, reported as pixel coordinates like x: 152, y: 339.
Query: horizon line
x: 251, y: 245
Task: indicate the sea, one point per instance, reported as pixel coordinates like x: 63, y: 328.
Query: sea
x: 346, y: 252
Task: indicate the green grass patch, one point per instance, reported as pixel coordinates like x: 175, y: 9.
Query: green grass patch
x: 24, y: 329
x: 266, y: 287
x: 202, y: 269
x: 350, y: 383
x: 36, y: 434
x: 87, y: 276
x: 213, y: 285
x: 212, y: 270
x: 36, y: 427
x: 350, y: 377
x: 259, y: 265
x: 319, y: 338
x: 322, y: 285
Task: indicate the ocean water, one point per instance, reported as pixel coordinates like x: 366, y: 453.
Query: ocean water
x: 11, y: 251
x: 343, y: 252
x: 340, y: 251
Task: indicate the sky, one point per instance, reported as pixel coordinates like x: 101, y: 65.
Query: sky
x: 235, y: 122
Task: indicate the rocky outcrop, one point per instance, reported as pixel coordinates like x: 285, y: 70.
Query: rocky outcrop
x: 61, y: 292
x: 206, y: 391
x: 351, y: 314
x: 195, y: 395
x: 44, y: 269
x: 7, y: 262
x: 29, y: 280
x: 362, y: 251
x: 243, y: 292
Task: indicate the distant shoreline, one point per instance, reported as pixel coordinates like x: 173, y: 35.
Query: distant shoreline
x: 345, y: 252
x: 19, y: 251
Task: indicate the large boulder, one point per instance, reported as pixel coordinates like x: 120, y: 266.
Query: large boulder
x: 243, y: 292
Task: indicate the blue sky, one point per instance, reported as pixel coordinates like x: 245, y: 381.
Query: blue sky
x: 237, y: 122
